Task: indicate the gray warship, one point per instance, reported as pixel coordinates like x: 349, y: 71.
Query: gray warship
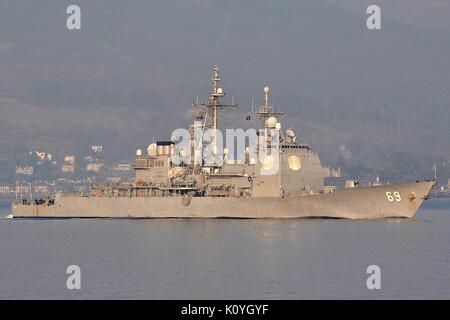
x: 192, y: 176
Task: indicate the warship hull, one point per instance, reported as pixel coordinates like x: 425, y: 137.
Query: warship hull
x: 368, y: 202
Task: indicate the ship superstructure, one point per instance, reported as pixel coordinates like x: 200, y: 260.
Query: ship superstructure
x: 269, y: 174
x: 297, y: 169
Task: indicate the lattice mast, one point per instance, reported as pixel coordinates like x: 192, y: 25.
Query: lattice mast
x: 207, y: 112
x: 266, y: 119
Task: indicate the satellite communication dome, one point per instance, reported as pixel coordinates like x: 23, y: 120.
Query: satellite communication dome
x: 271, y: 122
x: 151, y: 150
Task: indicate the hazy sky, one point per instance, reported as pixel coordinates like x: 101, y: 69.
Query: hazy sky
x: 134, y: 58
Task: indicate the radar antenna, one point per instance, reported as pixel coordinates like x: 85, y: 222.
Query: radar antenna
x: 207, y: 112
x: 262, y: 113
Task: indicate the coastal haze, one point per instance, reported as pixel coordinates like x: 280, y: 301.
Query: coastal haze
x: 368, y: 101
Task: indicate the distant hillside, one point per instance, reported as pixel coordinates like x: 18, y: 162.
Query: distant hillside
x: 381, y: 96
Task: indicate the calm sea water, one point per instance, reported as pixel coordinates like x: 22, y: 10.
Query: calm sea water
x: 227, y: 259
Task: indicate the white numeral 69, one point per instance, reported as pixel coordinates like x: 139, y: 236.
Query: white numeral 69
x: 395, y: 197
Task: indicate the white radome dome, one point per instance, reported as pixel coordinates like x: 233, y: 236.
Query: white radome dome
x: 271, y: 122
x: 151, y: 150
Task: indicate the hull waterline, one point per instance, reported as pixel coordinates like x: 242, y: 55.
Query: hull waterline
x: 371, y: 202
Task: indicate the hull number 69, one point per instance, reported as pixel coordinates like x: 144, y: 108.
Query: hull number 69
x: 393, y: 196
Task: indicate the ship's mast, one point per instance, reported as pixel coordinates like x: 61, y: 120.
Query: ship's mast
x: 266, y: 95
x: 261, y: 115
x: 216, y: 93
x: 207, y: 112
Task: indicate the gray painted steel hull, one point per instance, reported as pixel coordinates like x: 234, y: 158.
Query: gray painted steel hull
x: 370, y: 202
